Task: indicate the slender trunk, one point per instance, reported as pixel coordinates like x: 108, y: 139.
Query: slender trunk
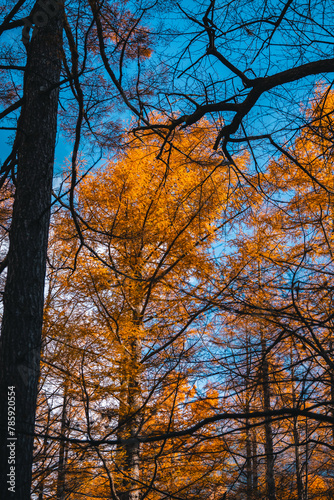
x: 306, y: 457
x: 249, y: 481
x: 249, y: 484
x: 269, y: 448
x: 129, y: 423
x: 300, y: 488
x: 133, y: 448
x: 332, y: 401
x: 62, y: 449
x: 296, y: 439
x: 332, y: 391
x: 255, y: 474
x: 24, y: 291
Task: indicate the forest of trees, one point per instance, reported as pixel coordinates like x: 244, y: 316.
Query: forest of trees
x: 167, y: 250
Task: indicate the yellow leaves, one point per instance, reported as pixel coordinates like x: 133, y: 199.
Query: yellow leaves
x: 149, y: 225
x: 207, y: 406
x: 318, y: 487
x: 312, y: 170
x: 139, y: 197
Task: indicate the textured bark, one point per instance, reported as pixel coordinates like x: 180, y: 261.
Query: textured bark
x: 24, y: 291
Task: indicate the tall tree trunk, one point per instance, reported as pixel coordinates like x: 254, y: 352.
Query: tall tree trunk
x: 249, y: 479
x: 61, y: 495
x: 133, y: 449
x: 129, y: 422
x: 332, y: 390
x: 306, y: 457
x: 300, y: 488
x: 296, y: 438
x: 255, y: 474
x: 269, y: 448
x: 24, y: 291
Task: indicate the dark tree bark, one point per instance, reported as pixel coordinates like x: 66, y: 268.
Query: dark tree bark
x: 24, y: 291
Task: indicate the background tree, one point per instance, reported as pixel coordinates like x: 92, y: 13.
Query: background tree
x: 148, y: 230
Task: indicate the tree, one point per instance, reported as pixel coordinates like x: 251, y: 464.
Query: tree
x: 23, y: 297
x: 30, y: 165
x: 259, y: 386
x: 290, y: 239
x: 228, y: 71
x: 148, y: 232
